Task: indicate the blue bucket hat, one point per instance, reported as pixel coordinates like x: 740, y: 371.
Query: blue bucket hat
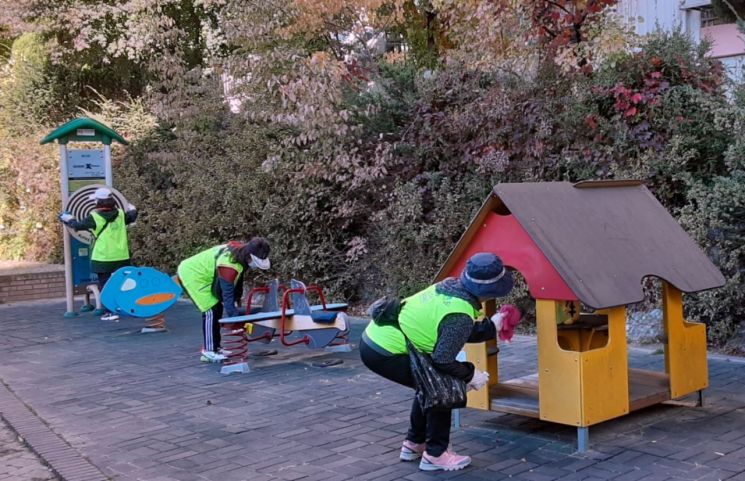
x: 486, y: 277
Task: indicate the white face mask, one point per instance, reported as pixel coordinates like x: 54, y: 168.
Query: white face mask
x: 257, y: 263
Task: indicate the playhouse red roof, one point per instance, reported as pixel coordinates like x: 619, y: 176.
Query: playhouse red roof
x: 601, y: 238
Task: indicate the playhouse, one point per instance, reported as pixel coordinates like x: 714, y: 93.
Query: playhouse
x: 588, y: 247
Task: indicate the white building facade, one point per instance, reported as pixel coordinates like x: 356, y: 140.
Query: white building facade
x: 694, y: 17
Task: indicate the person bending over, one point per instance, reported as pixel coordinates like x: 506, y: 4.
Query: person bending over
x: 213, y: 279
x: 440, y: 320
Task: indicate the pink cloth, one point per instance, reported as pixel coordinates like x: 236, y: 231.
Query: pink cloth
x: 511, y: 316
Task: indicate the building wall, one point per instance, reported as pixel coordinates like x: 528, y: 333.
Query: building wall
x: 646, y: 16
x: 735, y: 67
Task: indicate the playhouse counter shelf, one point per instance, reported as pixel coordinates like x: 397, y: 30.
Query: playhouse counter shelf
x: 588, y: 245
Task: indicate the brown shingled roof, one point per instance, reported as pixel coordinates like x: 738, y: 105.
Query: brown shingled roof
x: 603, y: 238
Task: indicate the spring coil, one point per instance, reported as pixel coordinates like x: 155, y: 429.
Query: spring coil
x: 235, y: 343
x: 156, y: 322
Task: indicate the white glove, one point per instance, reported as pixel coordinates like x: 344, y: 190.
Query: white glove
x: 65, y: 217
x: 496, y: 319
x: 479, y: 380
x: 131, y: 207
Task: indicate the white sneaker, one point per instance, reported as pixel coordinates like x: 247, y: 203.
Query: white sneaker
x: 212, y: 356
x: 110, y: 316
x: 224, y: 352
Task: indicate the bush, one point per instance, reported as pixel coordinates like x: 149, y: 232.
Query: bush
x: 29, y: 199
x: 659, y: 115
x: 424, y: 219
x: 364, y: 175
x: 26, y: 95
x: 194, y: 183
x: 715, y: 217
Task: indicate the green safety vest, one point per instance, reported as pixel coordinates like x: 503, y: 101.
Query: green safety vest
x: 109, y: 239
x: 198, y: 273
x: 420, y: 318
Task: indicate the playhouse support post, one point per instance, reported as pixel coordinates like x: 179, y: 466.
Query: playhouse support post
x: 685, y: 350
x: 483, y: 357
x: 583, y: 439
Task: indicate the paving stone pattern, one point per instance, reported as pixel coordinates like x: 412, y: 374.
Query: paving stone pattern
x: 17, y: 462
x: 63, y: 459
x: 142, y: 407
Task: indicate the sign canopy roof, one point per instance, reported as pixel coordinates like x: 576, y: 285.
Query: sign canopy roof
x: 84, y: 129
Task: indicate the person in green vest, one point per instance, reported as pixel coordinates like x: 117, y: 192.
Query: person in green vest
x: 110, y: 245
x: 213, y: 280
x: 440, y: 320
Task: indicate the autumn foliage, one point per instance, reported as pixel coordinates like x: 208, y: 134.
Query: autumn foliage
x: 560, y: 22
x: 360, y: 136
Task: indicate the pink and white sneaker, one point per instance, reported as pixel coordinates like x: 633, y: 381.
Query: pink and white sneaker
x: 447, y: 461
x: 411, y: 451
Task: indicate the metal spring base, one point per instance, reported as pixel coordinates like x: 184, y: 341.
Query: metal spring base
x: 235, y: 342
x: 240, y: 368
x: 155, y: 324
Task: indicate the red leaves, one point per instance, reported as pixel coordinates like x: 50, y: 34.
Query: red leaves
x: 631, y: 101
x: 558, y: 22
x: 628, y: 101
x: 591, y: 122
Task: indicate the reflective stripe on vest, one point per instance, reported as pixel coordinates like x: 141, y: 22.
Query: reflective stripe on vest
x: 110, y: 242
x: 197, y: 273
x: 420, y: 318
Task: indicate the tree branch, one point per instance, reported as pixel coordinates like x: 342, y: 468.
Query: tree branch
x: 734, y: 12
x: 559, y: 6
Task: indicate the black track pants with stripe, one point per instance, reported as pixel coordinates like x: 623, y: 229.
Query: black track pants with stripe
x: 211, y: 327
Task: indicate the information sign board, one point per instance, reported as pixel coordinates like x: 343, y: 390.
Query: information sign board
x: 85, y: 164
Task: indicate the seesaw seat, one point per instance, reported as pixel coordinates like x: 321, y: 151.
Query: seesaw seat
x: 317, y: 312
x: 321, y: 325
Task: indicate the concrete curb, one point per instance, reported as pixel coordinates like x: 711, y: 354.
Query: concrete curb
x: 64, y: 461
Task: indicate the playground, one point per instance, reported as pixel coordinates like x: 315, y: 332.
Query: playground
x: 292, y: 163
x: 99, y: 397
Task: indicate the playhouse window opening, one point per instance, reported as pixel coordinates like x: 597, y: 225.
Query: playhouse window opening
x: 579, y: 330
x: 644, y: 319
x: 520, y: 297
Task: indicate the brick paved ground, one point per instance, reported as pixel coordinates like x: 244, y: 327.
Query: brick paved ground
x: 143, y: 407
x: 17, y: 462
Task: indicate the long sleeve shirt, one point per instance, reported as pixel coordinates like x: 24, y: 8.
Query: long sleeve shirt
x: 455, y: 330
x: 109, y: 214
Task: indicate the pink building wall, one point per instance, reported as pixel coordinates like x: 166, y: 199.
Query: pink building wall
x: 727, y: 41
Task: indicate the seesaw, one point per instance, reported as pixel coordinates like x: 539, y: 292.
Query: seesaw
x: 317, y: 326
x: 258, y: 317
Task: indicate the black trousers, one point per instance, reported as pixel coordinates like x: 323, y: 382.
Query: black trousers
x: 432, y: 428
x: 211, y: 327
x: 103, y: 278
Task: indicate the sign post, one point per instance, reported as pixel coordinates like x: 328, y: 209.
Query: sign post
x: 79, y: 169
